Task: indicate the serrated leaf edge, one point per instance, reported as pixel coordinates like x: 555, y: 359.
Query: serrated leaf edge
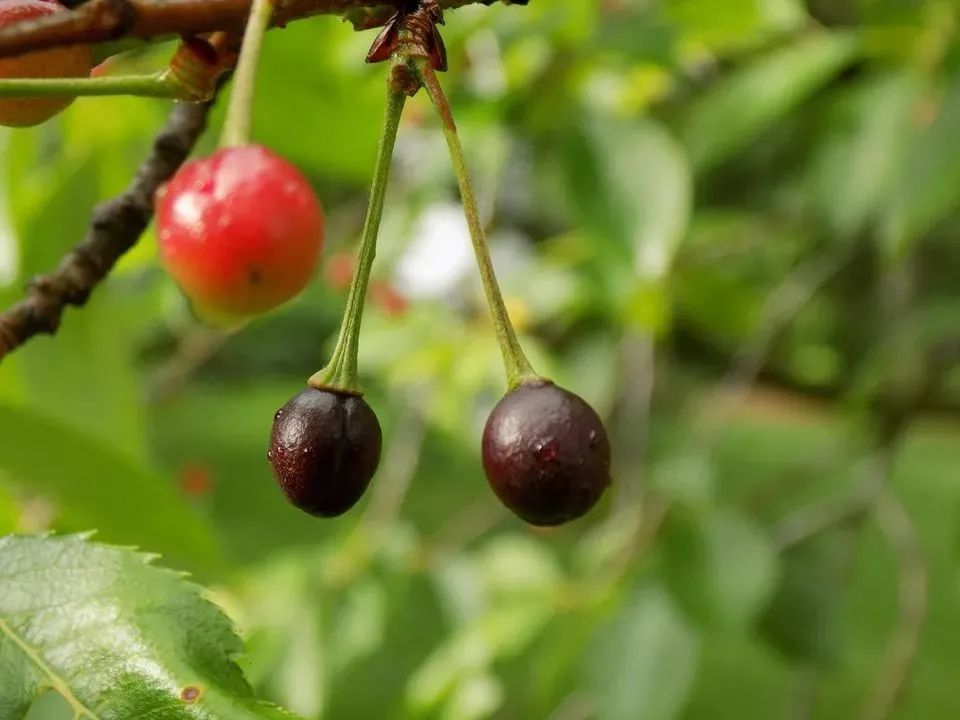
x: 60, y: 686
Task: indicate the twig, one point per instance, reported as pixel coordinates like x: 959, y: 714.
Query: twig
x: 638, y: 368
x: 817, y: 518
x: 891, y: 683
x: 783, y: 304
x: 463, y: 527
x: 194, y: 348
x: 804, y: 705
x: 576, y: 706
x: 115, y: 227
x: 891, y: 415
x: 104, y: 20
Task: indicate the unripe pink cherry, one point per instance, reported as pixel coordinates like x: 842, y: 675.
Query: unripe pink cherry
x: 240, y: 231
x: 65, y: 62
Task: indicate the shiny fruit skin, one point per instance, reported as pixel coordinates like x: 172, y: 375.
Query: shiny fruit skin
x: 546, y: 454
x: 325, y: 448
x: 240, y: 231
x: 64, y: 62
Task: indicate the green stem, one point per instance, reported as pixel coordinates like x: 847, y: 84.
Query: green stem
x: 515, y: 362
x: 159, y: 85
x: 341, y: 373
x: 236, y: 130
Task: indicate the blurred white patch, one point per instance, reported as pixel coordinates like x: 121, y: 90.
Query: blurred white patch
x: 439, y: 258
x: 487, y: 74
x: 513, y: 258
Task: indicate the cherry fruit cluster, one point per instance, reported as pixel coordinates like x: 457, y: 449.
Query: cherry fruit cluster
x: 545, y: 451
x: 241, y: 232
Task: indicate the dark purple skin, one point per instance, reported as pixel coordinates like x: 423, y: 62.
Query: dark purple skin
x: 325, y: 448
x: 546, y: 454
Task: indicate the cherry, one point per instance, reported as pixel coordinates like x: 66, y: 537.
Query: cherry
x: 240, y: 231
x: 325, y: 448
x: 546, y: 454
x: 55, y: 63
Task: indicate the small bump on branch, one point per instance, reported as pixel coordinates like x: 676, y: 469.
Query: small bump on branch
x: 115, y: 227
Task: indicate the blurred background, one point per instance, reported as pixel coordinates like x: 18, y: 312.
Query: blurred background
x: 731, y: 225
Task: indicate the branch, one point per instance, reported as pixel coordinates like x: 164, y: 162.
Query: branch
x: 901, y: 653
x: 102, y: 20
x: 891, y: 421
x: 114, y: 228
x: 693, y: 347
x: 818, y: 518
x: 783, y: 304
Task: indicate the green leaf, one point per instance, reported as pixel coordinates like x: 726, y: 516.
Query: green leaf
x: 722, y: 24
x: 803, y: 617
x: 84, y: 376
x: 741, y: 107
x: 41, y: 174
x: 501, y: 633
x: 117, y: 637
x: 644, y: 663
x: 502, y: 600
x: 859, y: 157
x: 632, y: 187
x: 9, y: 513
x: 339, y: 97
x: 657, y: 173
x: 719, y: 565
x: 644, y: 193
x: 929, y: 179
x: 95, y: 486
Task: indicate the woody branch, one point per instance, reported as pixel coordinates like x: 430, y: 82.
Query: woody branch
x: 97, y: 21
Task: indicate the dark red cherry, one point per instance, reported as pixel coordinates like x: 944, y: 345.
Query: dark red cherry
x: 325, y: 448
x: 546, y: 454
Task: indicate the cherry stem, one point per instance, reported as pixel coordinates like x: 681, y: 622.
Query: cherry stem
x: 515, y: 361
x: 341, y: 373
x: 236, y: 130
x: 159, y: 85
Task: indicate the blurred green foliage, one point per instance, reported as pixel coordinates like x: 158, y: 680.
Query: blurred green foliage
x: 729, y: 224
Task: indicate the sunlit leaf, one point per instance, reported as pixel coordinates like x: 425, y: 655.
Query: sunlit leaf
x: 928, y: 186
x: 644, y: 662
x: 740, y: 107
x: 720, y: 567
x: 859, y: 158
x: 117, y: 637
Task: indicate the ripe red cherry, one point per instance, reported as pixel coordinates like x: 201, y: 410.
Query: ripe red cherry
x: 54, y: 63
x: 240, y: 231
x: 546, y: 454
